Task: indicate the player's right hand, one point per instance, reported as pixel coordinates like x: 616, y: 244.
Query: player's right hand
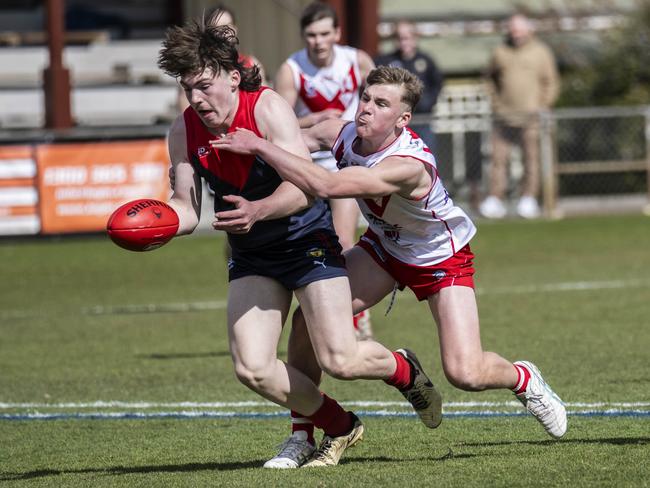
x: 237, y: 221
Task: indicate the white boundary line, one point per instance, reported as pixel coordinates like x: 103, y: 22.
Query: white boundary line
x: 264, y: 404
x: 107, y: 410
x: 155, y: 308
x: 567, y: 286
x: 192, y: 414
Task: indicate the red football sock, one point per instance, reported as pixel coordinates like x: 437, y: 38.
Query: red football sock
x: 299, y: 422
x: 401, y: 378
x: 356, y: 317
x: 523, y: 375
x: 331, y: 418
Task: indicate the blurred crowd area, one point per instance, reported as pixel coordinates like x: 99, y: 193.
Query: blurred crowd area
x: 593, y: 145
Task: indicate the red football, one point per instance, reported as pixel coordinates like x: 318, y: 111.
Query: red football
x: 142, y: 225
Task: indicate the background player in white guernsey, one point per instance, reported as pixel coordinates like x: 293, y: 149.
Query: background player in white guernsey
x: 417, y: 236
x: 323, y: 81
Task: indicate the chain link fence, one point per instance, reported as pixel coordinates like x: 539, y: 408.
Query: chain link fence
x: 596, y: 152
x: 593, y: 160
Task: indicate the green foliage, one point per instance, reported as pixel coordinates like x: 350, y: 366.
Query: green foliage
x: 621, y: 73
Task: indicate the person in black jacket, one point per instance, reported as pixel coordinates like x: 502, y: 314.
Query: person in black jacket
x: 408, y: 56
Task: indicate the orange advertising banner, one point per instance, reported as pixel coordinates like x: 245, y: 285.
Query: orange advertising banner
x: 13, y: 182
x: 81, y: 184
x: 16, y: 152
x: 18, y: 211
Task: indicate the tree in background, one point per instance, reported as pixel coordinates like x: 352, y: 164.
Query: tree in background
x: 620, y: 74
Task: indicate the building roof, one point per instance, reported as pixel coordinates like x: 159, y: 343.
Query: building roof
x: 461, y: 34
x: 423, y: 9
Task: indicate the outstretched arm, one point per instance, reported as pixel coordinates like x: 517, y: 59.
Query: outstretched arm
x: 402, y: 175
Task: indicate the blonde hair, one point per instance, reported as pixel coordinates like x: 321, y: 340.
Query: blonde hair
x: 390, y: 75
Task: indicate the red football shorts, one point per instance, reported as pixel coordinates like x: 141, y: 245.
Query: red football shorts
x: 425, y: 281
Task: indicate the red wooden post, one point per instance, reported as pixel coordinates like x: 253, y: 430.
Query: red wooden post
x: 56, y: 78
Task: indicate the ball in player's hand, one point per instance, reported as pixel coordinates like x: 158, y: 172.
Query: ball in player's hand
x: 142, y: 225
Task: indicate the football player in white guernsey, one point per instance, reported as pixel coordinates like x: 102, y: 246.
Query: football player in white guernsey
x: 294, y: 253
x: 417, y: 236
x: 323, y: 81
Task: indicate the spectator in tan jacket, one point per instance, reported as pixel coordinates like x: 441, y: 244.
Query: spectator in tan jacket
x: 522, y: 81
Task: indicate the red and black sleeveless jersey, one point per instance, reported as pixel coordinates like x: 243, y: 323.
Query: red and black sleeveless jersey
x: 249, y: 176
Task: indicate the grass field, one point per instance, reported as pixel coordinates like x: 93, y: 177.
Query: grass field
x: 115, y: 371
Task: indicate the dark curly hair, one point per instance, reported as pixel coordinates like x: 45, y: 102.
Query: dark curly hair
x: 316, y: 11
x: 197, y: 45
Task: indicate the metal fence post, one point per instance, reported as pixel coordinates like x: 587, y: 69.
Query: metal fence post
x: 646, y: 208
x: 548, y: 173
x: 458, y: 152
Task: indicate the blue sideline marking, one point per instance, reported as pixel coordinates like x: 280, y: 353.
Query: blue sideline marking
x: 267, y: 415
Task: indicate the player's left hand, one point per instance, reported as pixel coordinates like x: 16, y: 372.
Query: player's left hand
x: 241, y: 141
x: 237, y: 221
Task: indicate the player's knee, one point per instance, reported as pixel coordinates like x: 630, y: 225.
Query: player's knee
x: 253, y: 376
x: 338, y: 366
x: 464, y: 376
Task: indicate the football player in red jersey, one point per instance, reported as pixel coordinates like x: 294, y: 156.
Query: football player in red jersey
x: 283, y: 243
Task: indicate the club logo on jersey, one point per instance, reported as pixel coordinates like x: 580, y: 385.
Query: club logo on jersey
x: 392, y: 234
x: 315, y: 253
x: 390, y: 231
x: 202, y: 151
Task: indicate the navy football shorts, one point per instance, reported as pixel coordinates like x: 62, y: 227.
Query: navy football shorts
x: 293, y: 264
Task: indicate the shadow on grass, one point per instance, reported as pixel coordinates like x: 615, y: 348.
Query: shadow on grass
x: 185, y: 355
x: 615, y: 441
x: 191, y: 467
x: 384, y: 459
x: 122, y: 470
x: 191, y: 355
